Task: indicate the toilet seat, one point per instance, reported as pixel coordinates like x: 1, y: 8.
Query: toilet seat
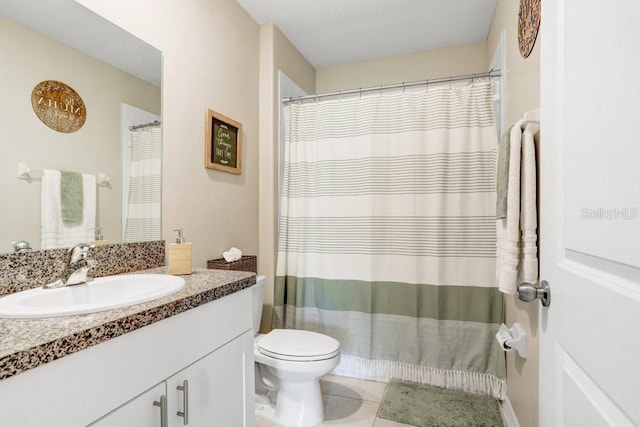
x: 298, y: 345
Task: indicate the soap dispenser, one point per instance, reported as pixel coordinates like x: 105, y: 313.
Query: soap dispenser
x: 99, y: 240
x: 180, y: 255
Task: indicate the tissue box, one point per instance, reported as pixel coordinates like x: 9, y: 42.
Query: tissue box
x: 246, y: 263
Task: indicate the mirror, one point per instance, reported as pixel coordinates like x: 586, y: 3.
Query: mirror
x: 118, y: 77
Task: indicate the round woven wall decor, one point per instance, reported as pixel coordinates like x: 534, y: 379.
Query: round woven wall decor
x: 528, y: 25
x: 58, y: 106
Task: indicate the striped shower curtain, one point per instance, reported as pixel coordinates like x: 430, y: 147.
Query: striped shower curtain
x: 143, y: 212
x: 387, y: 234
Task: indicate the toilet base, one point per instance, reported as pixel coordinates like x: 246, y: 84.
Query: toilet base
x: 298, y: 404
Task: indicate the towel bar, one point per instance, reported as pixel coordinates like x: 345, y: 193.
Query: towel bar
x: 25, y: 173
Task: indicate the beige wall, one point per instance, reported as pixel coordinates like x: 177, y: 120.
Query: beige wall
x: 523, y: 94
x: 210, y: 60
x: 276, y: 53
x: 27, y: 59
x: 406, y: 68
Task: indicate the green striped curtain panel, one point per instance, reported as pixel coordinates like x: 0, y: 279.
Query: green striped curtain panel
x: 143, y: 212
x: 387, y: 234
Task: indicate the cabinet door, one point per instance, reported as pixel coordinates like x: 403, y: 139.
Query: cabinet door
x: 139, y: 412
x: 216, y: 389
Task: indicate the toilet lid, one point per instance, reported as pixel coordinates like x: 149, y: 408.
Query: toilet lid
x: 297, y: 345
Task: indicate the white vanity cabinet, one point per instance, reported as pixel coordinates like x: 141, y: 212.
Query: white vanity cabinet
x: 216, y: 390
x: 116, y: 383
x: 209, y: 392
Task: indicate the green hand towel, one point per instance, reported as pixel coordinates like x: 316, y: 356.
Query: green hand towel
x: 71, y: 196
x: 502, y: 178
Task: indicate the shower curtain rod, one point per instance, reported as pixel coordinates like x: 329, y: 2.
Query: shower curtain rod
x: 146, y: 125
x: 490, y: 73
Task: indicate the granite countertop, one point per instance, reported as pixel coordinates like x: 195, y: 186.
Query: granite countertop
x: 28, y: 343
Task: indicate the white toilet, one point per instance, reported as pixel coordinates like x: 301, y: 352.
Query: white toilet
x: 289, y: 365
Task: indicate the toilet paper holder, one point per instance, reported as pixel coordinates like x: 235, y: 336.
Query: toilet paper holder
x: 513, y: 338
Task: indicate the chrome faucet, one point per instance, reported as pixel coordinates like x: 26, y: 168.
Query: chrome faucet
x: 78, y: 265
x: 20, y: 246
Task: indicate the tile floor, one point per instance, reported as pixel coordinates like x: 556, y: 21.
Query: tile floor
x: 349, y: 402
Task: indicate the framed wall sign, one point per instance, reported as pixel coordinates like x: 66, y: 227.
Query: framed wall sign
x: 223, y: 143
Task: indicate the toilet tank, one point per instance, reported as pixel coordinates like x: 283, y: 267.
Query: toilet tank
x: 258, y: 299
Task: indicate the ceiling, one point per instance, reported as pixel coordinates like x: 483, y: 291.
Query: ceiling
x: 326, y: 32
x: 335, y: 32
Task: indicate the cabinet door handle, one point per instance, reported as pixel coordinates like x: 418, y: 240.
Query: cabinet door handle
x: 164, y: 415
x: 184, y: 388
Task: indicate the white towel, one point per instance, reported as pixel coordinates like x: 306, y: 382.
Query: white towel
x: 516, y: 254
x: 232, y: 254
x: 55, y: 233
x: 528, y: 258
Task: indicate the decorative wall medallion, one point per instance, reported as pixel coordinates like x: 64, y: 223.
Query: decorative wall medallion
x: 528, y: 25
x: 58, y: 106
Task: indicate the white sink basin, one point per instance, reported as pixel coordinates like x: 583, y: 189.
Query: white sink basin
x: 104, y: 293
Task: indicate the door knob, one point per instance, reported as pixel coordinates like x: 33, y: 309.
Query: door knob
x: 530, y: 291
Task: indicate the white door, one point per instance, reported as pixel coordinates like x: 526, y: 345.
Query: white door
x: 590, y: 202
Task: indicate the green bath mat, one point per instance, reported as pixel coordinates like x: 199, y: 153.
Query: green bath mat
x: 428, y: 406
